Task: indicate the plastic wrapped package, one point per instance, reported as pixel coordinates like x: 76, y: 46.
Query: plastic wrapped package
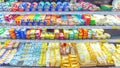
x: 100, y: 57
x: 116, y: 5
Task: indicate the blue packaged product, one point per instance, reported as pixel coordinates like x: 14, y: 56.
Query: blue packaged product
x: 64, y: 19
x: 14, y: 62
x: 4, y: 6
x: 23, y: 33
x: 20, y: 7
x: 24, y: 5
x: 52, y: 6
x: 47, y: 6
x: 1, y: 6
x: 27, y: 6
x: 59, y: 6
x: 82, y: 21
x: 79, y: 16
x: 17, y: 32
x: 41, y: 6
x: 1, y: 18
x: 23, y: 23
x: 65, y: 4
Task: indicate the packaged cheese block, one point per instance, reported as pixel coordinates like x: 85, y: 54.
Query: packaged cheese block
x: 83, y: 53
x: 101, y: 59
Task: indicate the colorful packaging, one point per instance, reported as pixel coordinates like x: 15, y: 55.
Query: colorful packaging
x: 48, y: 20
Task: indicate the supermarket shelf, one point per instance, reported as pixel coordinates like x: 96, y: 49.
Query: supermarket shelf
x: 65, y: 27
x: 71, y: 12
x: 87, y: 40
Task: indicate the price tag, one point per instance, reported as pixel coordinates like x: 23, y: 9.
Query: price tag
x: 114, y: 27
x: 103, y: 41
x: 118, y: 41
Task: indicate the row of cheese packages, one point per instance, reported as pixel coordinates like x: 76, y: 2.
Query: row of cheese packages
x: 61, y: 20
x: 98, y: 54
x: 61, y: 34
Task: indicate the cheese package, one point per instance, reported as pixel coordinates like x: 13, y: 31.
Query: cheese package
x: 100, y: 57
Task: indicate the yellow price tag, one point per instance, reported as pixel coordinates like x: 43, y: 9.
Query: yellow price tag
x: 103, y: 41
x: 114, y: 27
x: 118, y: 41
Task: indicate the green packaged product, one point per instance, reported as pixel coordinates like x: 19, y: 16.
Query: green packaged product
x: 92, y: 22
x: 106, y: 7
x: 36, y: 19
x: 71, y: 35
x: 75, y: 34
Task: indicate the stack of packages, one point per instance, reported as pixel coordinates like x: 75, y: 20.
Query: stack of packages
x: 93, y: 33
x: 81, y: 33
x: 27, y: 55
x: 85, y: 54
x: 69, y: 57
x: 63, y: 55
x: 51, y: 56
x: 93, y: 54
x: 7, y: 51
x: 60, y: 20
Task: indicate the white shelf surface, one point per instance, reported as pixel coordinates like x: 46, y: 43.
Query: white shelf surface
x: 87, y: 40
x: 64, y: 12
x: 65, y: 27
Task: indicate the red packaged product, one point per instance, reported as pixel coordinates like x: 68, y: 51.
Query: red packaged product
x: 15, y: 6
x: 61, y: 37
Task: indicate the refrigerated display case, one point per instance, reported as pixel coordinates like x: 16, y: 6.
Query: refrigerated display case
x: 59, y: 33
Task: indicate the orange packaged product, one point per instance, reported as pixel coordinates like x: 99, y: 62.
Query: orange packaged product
x: 18, y: 19
x: 48, y: 20
x: 85, y: 33
x: 57, y: 32
x: 11, y: 30
x: 53, y: 19
x: 28, y: 34
x: 81, y: 33
x: 13, y: 35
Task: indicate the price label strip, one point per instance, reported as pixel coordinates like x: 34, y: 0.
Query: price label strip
x: 103, y: 41
x: 114, y: 27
